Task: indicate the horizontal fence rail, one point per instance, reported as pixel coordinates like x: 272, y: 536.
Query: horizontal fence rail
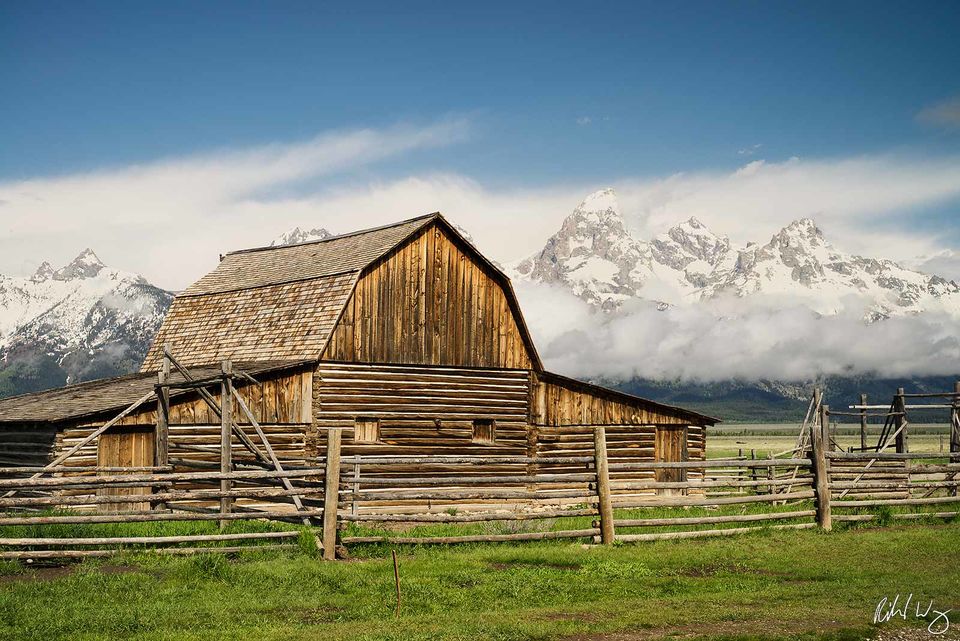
x: 589, y: 494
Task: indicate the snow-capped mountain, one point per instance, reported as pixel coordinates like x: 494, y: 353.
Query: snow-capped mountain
x: 594, y: 255
x: 297, y: 235
x: 81, y: 321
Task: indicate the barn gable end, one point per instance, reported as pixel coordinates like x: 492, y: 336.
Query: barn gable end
x: 433, y: 300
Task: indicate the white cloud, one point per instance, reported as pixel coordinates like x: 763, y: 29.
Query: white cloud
x: 169, y: 219
x: 584, y: 120
x: 749, y: 151
x: 862, y: 203
x: 742, y: 338
x: 945, y: 263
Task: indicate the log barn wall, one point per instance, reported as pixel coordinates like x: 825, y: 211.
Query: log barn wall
x: 27, y: 444
x: 280, y: 403
x: 430, y: 302
x: 421, y: 410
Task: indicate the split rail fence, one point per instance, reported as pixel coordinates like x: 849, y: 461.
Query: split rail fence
x: 583, y: 494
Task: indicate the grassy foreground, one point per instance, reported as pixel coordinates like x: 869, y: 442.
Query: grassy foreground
x: 761, y: 586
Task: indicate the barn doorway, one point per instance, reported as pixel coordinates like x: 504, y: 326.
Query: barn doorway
x: 129, y: 446
x: 670, y: 445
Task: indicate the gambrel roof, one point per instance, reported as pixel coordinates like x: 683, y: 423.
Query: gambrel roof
x: 282, y: 303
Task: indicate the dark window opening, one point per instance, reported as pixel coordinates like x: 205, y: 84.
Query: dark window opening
x: 485, y: 431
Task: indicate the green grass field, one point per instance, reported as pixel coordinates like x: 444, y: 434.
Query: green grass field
x: 761, y: 586
x: 729, y: 439
x: 768, y: 585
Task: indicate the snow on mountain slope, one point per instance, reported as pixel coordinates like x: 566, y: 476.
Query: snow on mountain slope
x: 297, y: 235
x: 81, y: 319
x: 594, y: 255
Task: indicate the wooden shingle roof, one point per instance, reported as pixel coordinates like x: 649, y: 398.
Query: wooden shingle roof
x: 109, y: 394
x: 304, y: 261
x: 273, y: 302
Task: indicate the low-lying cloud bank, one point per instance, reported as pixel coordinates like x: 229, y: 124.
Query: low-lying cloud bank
x: 757, y: 338
x: 197, y: 206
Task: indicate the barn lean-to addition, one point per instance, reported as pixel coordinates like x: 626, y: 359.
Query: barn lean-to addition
x: 403, y: 335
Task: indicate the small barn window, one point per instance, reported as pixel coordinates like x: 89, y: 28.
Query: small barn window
x: 366, y: 430
x: 485, y: 431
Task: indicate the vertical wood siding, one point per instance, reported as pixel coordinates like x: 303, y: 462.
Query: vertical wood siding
x: 429, y: 303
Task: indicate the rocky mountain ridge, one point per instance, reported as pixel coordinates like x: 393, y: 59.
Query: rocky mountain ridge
x: 594, y: 255
x: 81, y: 321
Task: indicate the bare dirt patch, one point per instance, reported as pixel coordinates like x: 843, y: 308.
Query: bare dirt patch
x: 42, y: 573
x: 720, y: 628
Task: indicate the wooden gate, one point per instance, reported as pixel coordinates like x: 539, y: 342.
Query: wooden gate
x: 125, y: 447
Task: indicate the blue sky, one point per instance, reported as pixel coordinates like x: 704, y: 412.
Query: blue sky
x: 545, y: 99
x: 666, y: 86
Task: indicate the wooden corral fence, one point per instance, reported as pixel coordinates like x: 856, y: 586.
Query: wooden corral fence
x: 355, y: 499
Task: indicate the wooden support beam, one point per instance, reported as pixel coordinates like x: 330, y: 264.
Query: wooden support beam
x: 269, y: 448
x: 900, y: 422
x: 215, y: 408
x: 955, y: 422
x: 226, y: 433
x: 330, y: 494
x: 821, y: 474
x: 863, y: 423
x: 603, y: 485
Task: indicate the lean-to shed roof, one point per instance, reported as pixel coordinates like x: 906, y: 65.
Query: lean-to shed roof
x: 110, y: 394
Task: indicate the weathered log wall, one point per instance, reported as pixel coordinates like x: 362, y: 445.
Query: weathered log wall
x: 421, y: 410
x: 280, y: 403
x: 430, y: 302
x: 27, y: 444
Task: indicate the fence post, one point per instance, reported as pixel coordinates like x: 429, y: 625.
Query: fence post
x: 603, y: 485
x: 863, y: 423
x: 161, y: 441
x: 226, y: 434
x: 955, y: 430
x: 331, y: 493
x: 902, y: 445
x: 821, y: 478
x: 955, y: 421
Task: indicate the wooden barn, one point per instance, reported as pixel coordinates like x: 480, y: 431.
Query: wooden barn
x: 404, y: 335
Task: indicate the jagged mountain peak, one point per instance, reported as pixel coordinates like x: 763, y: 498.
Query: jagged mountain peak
x: 601, y: 200
x: 82, y: 321
x: 297, y: 235
x: 594, y: 255
x: 689, y: 241
x: 86, y: 265
x: 44, y: 272
x: 804, y: 229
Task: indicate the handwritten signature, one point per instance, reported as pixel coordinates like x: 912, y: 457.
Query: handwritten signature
x: 887, y: 609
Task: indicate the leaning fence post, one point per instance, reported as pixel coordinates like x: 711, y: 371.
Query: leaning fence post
x: 331, y: 493
x: 603, y: 485
x: 226, y: 434
x: 821, y: 478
